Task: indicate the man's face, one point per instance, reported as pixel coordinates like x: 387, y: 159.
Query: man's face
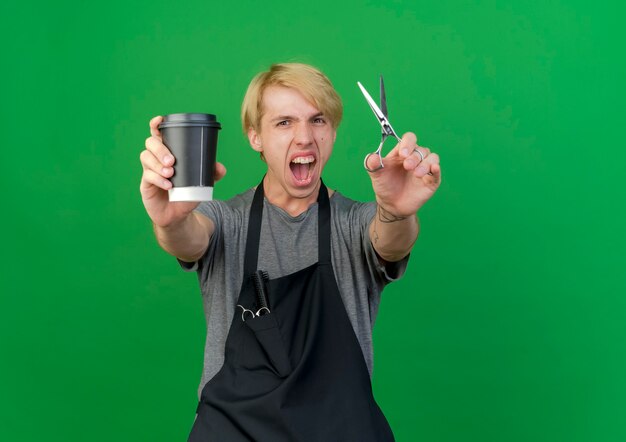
x: 296, y: 140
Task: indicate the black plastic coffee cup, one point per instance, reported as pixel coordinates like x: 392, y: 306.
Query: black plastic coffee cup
x: 192, y: 139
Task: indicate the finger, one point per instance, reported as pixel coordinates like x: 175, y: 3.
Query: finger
x: 421, y: 152
x: 160, y: 151
x: 405, y: 146
x: 434, y: 178
x: 220, y: 171
x: 150, y: 162
x: 150, y: 177
x: 436, y: 171
x: 154, y: 126
x: 373, y: 163
x: 426, y: 166
x: 417, y: 156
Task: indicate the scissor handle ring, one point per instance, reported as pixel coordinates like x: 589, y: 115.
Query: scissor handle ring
x: 265, y: 311
x: 244, y: 311
x: 380, y: 166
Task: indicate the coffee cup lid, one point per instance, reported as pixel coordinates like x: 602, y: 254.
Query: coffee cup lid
x: 189, y: 119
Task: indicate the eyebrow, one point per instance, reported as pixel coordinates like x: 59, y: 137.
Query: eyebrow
x: 291, y: 117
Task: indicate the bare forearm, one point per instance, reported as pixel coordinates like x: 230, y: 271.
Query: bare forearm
x: 392, y: 236
x: 187, y: 239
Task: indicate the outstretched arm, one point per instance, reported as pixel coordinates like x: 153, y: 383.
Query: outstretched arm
x: 402, y: 187
x: 179, y: 230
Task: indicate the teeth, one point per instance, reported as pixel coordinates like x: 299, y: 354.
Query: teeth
x: 303, y: 160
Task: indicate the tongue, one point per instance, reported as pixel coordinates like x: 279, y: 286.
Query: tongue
x: 300, y: 171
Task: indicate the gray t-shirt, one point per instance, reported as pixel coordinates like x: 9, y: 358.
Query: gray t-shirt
x: 289, y: 244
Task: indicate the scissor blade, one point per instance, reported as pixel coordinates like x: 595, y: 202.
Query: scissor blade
x: 379, y: 114
x: 383, y: 98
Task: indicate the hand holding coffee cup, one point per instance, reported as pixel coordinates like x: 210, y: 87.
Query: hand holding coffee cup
x: 159, y: 165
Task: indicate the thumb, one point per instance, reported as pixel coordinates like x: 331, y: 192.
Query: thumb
x: 373, y: 163
x: 220, y: 171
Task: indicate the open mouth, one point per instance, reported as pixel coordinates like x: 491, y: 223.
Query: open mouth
x: 302, y: 168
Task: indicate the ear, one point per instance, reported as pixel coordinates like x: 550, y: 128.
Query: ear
x: 255, y: 139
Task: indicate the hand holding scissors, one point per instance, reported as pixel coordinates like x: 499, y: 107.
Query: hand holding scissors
x: 381, y: 114
x: 407, y: 180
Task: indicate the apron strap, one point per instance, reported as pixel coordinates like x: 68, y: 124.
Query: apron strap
x: 254, y: 228
x: 254, y: 232
x: 323, y: 224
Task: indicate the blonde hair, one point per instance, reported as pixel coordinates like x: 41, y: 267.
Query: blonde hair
x: 306, y: 79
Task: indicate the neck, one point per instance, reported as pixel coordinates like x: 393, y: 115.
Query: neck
x: 293, y: 205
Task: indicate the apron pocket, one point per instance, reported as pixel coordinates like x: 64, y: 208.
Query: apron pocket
x: 267, y: 333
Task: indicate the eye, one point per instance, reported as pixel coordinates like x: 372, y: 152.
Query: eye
x: 319, y: 120
x: 283, y: 123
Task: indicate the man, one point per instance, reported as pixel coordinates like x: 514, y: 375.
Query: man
x: 298, y: 370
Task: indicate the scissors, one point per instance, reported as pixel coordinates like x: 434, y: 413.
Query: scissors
x: 381, y: 114
x: 259, y: 278
x: 260, y: 312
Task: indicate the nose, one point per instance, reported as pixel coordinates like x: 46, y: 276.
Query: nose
x: 304, y: 134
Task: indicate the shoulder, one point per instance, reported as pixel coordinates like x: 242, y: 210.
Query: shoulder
x: 350, y: 210
x: 351, y: 219
x: 239, y: 203
x: 231, y: 209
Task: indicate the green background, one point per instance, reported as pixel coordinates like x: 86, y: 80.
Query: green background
x: 511, y: 322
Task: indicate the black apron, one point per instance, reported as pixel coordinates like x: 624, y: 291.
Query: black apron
x: 294, y: 374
